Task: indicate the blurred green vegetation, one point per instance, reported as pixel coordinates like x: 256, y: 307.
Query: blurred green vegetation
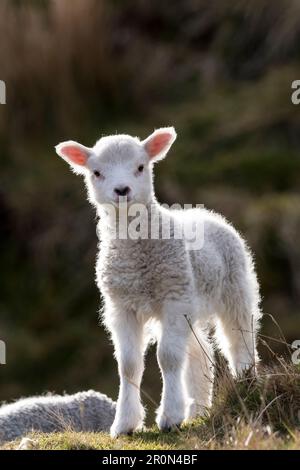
x: 221, y: 73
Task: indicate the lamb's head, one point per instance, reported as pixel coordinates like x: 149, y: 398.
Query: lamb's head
x: 118, y: 167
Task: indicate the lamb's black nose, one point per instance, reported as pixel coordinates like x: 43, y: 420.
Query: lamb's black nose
x: 122, y: 190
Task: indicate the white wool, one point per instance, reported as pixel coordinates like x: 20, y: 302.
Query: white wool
x: 181, y: 291
x: 83, y: 411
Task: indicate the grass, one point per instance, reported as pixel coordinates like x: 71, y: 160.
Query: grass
x: 213, y: 72
x: 260, y: 412
x: 192, y: 437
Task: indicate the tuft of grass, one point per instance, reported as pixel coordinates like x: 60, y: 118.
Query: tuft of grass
x: 271, y: 399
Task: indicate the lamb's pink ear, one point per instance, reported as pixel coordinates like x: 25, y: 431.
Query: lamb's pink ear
x: 158, y: 143
x: 75, y: 154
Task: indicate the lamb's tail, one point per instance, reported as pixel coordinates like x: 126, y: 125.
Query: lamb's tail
x: 83, y: 411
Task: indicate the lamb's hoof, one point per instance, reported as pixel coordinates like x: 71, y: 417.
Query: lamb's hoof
x: 166, y: 429
x: 117, y: 430
x: 170, y: 428
x: 246, y: 373
x: 116, y: 434
x: 167, y: 424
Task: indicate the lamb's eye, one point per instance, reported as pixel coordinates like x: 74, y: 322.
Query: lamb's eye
x: 97, y: 173
x: 141, y: 168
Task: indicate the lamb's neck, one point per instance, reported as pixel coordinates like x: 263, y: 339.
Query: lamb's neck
x: 117, y: 223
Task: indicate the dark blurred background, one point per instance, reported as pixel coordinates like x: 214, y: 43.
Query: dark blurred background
x: 221, y: 73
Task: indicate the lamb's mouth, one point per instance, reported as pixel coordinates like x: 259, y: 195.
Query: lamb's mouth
x: 122, y: 200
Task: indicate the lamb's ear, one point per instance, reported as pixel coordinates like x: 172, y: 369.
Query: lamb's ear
x: 75, y: 154
x: 158, y: 143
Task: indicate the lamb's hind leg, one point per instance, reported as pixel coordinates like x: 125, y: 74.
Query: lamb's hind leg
x: 239, y: 316
x: 236, y: 335
x: 198, y: 374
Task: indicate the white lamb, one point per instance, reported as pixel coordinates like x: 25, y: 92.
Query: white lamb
x: 164, y: 286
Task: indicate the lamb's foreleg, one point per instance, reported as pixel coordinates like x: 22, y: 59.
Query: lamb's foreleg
x: 171, y: 356
x: 127, y: 335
